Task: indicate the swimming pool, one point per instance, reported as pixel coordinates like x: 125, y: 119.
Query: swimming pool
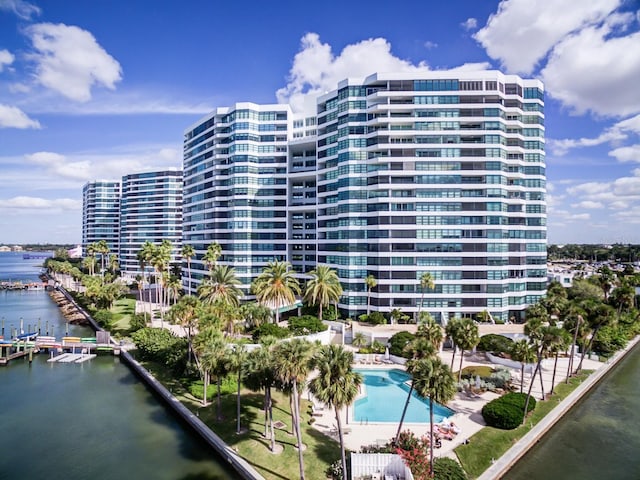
x: 385, y: 395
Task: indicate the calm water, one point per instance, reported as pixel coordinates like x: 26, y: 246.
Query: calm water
x: 386, y: 395
x: 598, y: 439
x: 91, y: 420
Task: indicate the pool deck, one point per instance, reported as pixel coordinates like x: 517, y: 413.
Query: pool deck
x: 468, y: 408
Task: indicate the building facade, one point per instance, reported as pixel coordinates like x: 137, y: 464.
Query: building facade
x: 101, y: 214
x: 394, y: 175
x: 150, y: 211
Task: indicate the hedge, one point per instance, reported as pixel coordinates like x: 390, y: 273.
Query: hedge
x: 507, y: 411
x: 495, y: 343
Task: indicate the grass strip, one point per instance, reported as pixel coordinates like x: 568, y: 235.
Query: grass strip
x: 491, y: 443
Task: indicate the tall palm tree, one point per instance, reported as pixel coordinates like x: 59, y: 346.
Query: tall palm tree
x: 210, y: 348
x: 293, y: 362
x: 601, y: 316
x: 336, y: 385
x: 451, y: 330
x: 434, y: 380
x: 371, y: 282
x: 430, y: 330
x: 323, y: 288
x: 91, y: 253
x: 254, y: 314
x: 276, y: 286
x: 185, y: 314
x: 420, y: 348
x: 238, y: 362
x: 261, y: 375
x: 560, y: 339
x: 188, y: 252
x: 523, y: 352
x: 211, y: 256
x: 102, y: 248
x: 542, y: 341
x: 160, y: 262
x: 222, y: 286
x: 466, y: 338
x: 426, y: 283
x: 146, y: 255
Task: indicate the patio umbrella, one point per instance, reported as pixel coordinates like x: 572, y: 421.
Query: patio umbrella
x: 386, y: 353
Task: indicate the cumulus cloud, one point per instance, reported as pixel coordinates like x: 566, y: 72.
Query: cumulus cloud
x: 521, y: 33
x: 24, y: 202
x: 629, y: 153
x: 22, y: 9
x: 470, y: 23
x: 82, y: 168
x: 596, y: 69
x: 6, y: 58
x: 70, y: 61
x: 588, y: 204
x: 13, y: 117
x: 616, y: 133
x: 429, y: 45
x: 316, y: 69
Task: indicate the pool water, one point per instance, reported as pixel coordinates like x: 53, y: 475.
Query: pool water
x: 385, y: 395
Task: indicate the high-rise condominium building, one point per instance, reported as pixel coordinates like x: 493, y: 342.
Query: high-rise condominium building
x: 150, y: 211
x: 394, y: 175
x: 101, y: 214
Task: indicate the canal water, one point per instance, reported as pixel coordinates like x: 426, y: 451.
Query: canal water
x: 598, y: 439
x: 91, y: 420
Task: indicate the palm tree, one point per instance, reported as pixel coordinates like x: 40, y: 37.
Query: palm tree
x: 89, y: 263
x: 371, y: 282
x: 222, y: 286
x: 560, y: 339
x: 146, y: 255
x: 102, y: 248
x: 426, y: 283
x: 423, y: 346
x: 430, y: 330
x: 359, y: 340
x: 336, y: 385
x: 113, y: 263
x: 174, y: 285
x: 254, y: 314
x: 451, y: 330
x: 293, y: 361
x: 466, y: 338
x: 185, y: 314
x: 522, y: 352
x: 261, y: 375
x: 237, y: 362
x: 160, y: 260
x: 601, y: 316
x: 91, y: 253
x: 188, y: 252
x: 574, y: 323
x: 210, y: 348
x: 211, y: 256
x: 323, y: 288
x: 541, y: 339
x: 276, y: 286
x: 434, y: 380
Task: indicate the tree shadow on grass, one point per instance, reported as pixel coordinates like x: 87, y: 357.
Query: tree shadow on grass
x: 325, y: 448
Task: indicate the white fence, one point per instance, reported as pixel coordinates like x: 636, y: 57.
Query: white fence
x: 380, y: 466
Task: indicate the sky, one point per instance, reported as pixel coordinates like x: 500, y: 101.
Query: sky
x: 98, y: 89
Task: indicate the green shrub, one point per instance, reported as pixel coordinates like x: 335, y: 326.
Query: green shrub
x: 105, y: 318
x: 447, y: 469
x: 376, y: 318
x: 137, y: 322
x: 228, y: 385
x: 398, y: 342
x: 495, y: 343
x: 160, y: 345
x: 269, y: 329
x: 507, y: 411
x: 306, y: 325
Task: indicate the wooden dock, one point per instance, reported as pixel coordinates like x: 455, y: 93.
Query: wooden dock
x: 72, y: 358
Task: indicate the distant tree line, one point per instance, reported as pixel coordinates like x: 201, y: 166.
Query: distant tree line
x: 618, y: 252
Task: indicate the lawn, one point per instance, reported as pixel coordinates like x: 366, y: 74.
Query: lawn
x: 123, y: 309
x: 320, y: 450
x: 490, y: 443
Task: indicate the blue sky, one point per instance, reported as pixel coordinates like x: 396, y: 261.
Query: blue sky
x: 94, y: 90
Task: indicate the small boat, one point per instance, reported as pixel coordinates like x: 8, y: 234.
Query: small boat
x: 27, y: 336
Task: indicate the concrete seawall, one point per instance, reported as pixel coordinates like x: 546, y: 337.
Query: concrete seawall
x: 511, y: 456
x: 239, y: 464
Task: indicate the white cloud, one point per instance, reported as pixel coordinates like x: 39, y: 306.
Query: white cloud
x: 70, y: 61
x: 630, y: 153
x: 19, y: 88
x: 613, y: 134
x: 597, y: 69
x: 84, y: 167
x: 429, y: 45
x: 13, y: 117
x: 316, y: 69
x: 470, y: 23
x: 521, y: 33
x: 588, y: 204
x: 6, y: 58
x: 24, y: 202
x: 22, y: 9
